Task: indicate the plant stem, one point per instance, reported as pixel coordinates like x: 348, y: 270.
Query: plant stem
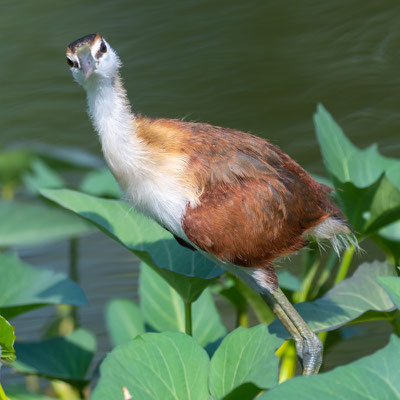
x: 341, y: 274
x: 344, y: 265
x: 322, y: 336
x: 303, y: 293
x: 2, y: 394
x: 65, y: 391
x: 188, y: 318
x: 324, y: 276
x: 242, y: 318
x: 396, y: 323
x: 74, y: 274
x: 289, y: 361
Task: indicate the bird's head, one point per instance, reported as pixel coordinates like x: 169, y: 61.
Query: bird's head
x: 91, y: 58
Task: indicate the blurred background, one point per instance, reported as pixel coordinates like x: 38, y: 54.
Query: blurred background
x: 259, y: 66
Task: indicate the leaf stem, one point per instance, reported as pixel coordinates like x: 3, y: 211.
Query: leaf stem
x: 324, y: 276
x: 303, y: 293
x: 396, y: 323
x: 188, y: 318
x: 288, y: 361
x: 242, y: 318
x: 2, y: 394
x: 74, y: 274
x: 344, y: 265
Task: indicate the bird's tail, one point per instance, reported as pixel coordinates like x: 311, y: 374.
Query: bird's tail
x: 337, y: 231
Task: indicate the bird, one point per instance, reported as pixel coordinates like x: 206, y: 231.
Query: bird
x: 229, y: 194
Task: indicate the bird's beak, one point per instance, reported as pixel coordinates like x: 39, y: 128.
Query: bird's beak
x: 86, y: 60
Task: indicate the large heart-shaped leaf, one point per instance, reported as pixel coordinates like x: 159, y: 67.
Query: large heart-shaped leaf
x: 144, y: 237
x: 67, y: 358
x: 25, y: 224
x: 245, y: 356
x: 168, y: 366
x: 348, y: 163
x: 163, y: 309
x: 7, y: 339
x: 124, y: 321
x: 362, y: 177
x: 346, y: 301
x: 23, y: 287
x: 370, y: 378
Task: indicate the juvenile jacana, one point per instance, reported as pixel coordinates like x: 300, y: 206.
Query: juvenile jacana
x: 224, y: 192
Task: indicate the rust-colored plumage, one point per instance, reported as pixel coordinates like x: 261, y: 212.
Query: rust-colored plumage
x: 254, y: 202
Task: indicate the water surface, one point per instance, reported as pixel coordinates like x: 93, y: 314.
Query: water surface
x: 259, y: 66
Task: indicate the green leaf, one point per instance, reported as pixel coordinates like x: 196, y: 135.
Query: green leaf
x: 61, y: 156
x: 245, y: 356
x: 363, y: 179
x: 26, y: 224
x: 16, y: 161
x: 392, y: 285
x: 375, y: 316
x: 346, y: 301
x: 169, y: 365
x: 163, y: 309
x: 101, y: 183
x: 355, y: 202
x: 20, y: 393
x: 348, y: 163
x: 144, y: 237
x: 388, y: 238
x: 385, y: 207
x: 370, y: 378
x: 7, y: 339
x: 124, y: 321
x: 246, y: 391
x: 391, y: 232
x: 67, y: 358
x: 41, y: 176
x: 188, y: 287
x: 288, y: 281
x: 23, y: 287
x: 235, y: 297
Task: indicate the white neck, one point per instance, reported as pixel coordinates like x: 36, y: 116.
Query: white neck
x: 109, y: 107
x: 114, y: 121
x: 153, y: 189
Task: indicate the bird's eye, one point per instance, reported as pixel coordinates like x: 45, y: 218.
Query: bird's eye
x: 70, y: 62
x: 103, y: 47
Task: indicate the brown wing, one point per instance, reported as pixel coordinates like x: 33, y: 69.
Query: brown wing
x: 256, y: 202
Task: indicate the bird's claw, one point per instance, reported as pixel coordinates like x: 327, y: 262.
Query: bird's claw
x: 309, y: 353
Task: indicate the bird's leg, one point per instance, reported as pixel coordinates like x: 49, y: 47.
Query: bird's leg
x: 309, y: 347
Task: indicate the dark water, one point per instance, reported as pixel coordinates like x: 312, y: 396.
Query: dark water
x: 259, y: 66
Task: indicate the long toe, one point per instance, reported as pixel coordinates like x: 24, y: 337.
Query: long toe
x: 312, y: 355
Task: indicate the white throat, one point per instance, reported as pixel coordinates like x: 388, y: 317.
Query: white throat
x: 151, y: 191
x: 114, y: 121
